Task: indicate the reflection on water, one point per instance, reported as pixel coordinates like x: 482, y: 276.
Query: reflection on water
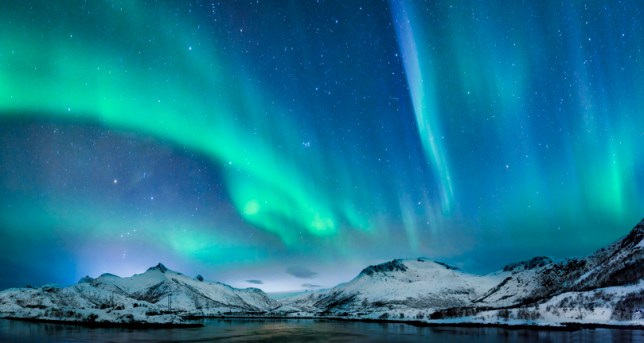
x: 302, y: 330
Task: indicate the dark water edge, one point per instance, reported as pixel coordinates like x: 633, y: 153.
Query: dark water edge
x: 571, y: 326
x: 304, y: 330
x: 130, y: 325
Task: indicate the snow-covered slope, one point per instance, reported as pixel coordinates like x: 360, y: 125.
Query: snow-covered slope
x: 159, y: 285
x: 159, y: 295
x: 607, y: 286
x: 81, y: 303
x: 618, y: 306
x: 527, y: 282
x: 411, y: 283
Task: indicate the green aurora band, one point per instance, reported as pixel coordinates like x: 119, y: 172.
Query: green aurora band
x: 66, y: 73
x: 511, y: 51
x: 474, y: 132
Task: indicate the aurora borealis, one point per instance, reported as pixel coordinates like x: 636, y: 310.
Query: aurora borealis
x: 243, y: 139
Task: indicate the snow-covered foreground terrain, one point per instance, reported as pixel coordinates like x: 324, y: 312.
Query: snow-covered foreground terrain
x: 605, y: 288
x: 158, y: 296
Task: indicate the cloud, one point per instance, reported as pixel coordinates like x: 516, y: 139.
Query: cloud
x: 301, y: 272
x: 255, y: 282
x: 310, y: 285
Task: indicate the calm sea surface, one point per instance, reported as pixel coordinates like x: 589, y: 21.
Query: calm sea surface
x: 216, y: 330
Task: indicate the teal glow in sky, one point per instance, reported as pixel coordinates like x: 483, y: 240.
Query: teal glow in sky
x: 241, y: 140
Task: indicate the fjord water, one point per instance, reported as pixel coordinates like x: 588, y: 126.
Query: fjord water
x: 304, y: 330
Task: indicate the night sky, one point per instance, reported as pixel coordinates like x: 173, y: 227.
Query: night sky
x: 288, y: 144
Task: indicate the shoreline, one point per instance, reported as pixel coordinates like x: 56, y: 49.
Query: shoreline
x: 566, y: 326
x: 133, y: 325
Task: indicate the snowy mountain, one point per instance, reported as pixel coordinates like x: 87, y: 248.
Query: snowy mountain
x: 619, y: 264
x: 158, y: 296
x: 606, y: 287
x: 400, y: 284
x: 159, y: 285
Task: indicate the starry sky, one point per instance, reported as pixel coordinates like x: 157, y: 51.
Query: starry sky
x: 288, y: 144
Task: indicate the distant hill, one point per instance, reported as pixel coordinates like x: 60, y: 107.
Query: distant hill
x: 159, y: 295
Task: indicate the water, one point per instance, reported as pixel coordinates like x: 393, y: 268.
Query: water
x: 218, y: 330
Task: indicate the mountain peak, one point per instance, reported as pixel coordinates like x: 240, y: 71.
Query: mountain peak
x: 535, y: 262
x: 109, y: 275
x: 86, y: 279
x: 447, y: 266
x: 395, y: 265
x: 160, y: 267
x: 639, y: 228
x: 634, y: 237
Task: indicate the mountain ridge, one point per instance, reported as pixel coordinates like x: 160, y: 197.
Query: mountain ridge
x: 603, y: 288
x: 609, y: 278
x: 157, y: 296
